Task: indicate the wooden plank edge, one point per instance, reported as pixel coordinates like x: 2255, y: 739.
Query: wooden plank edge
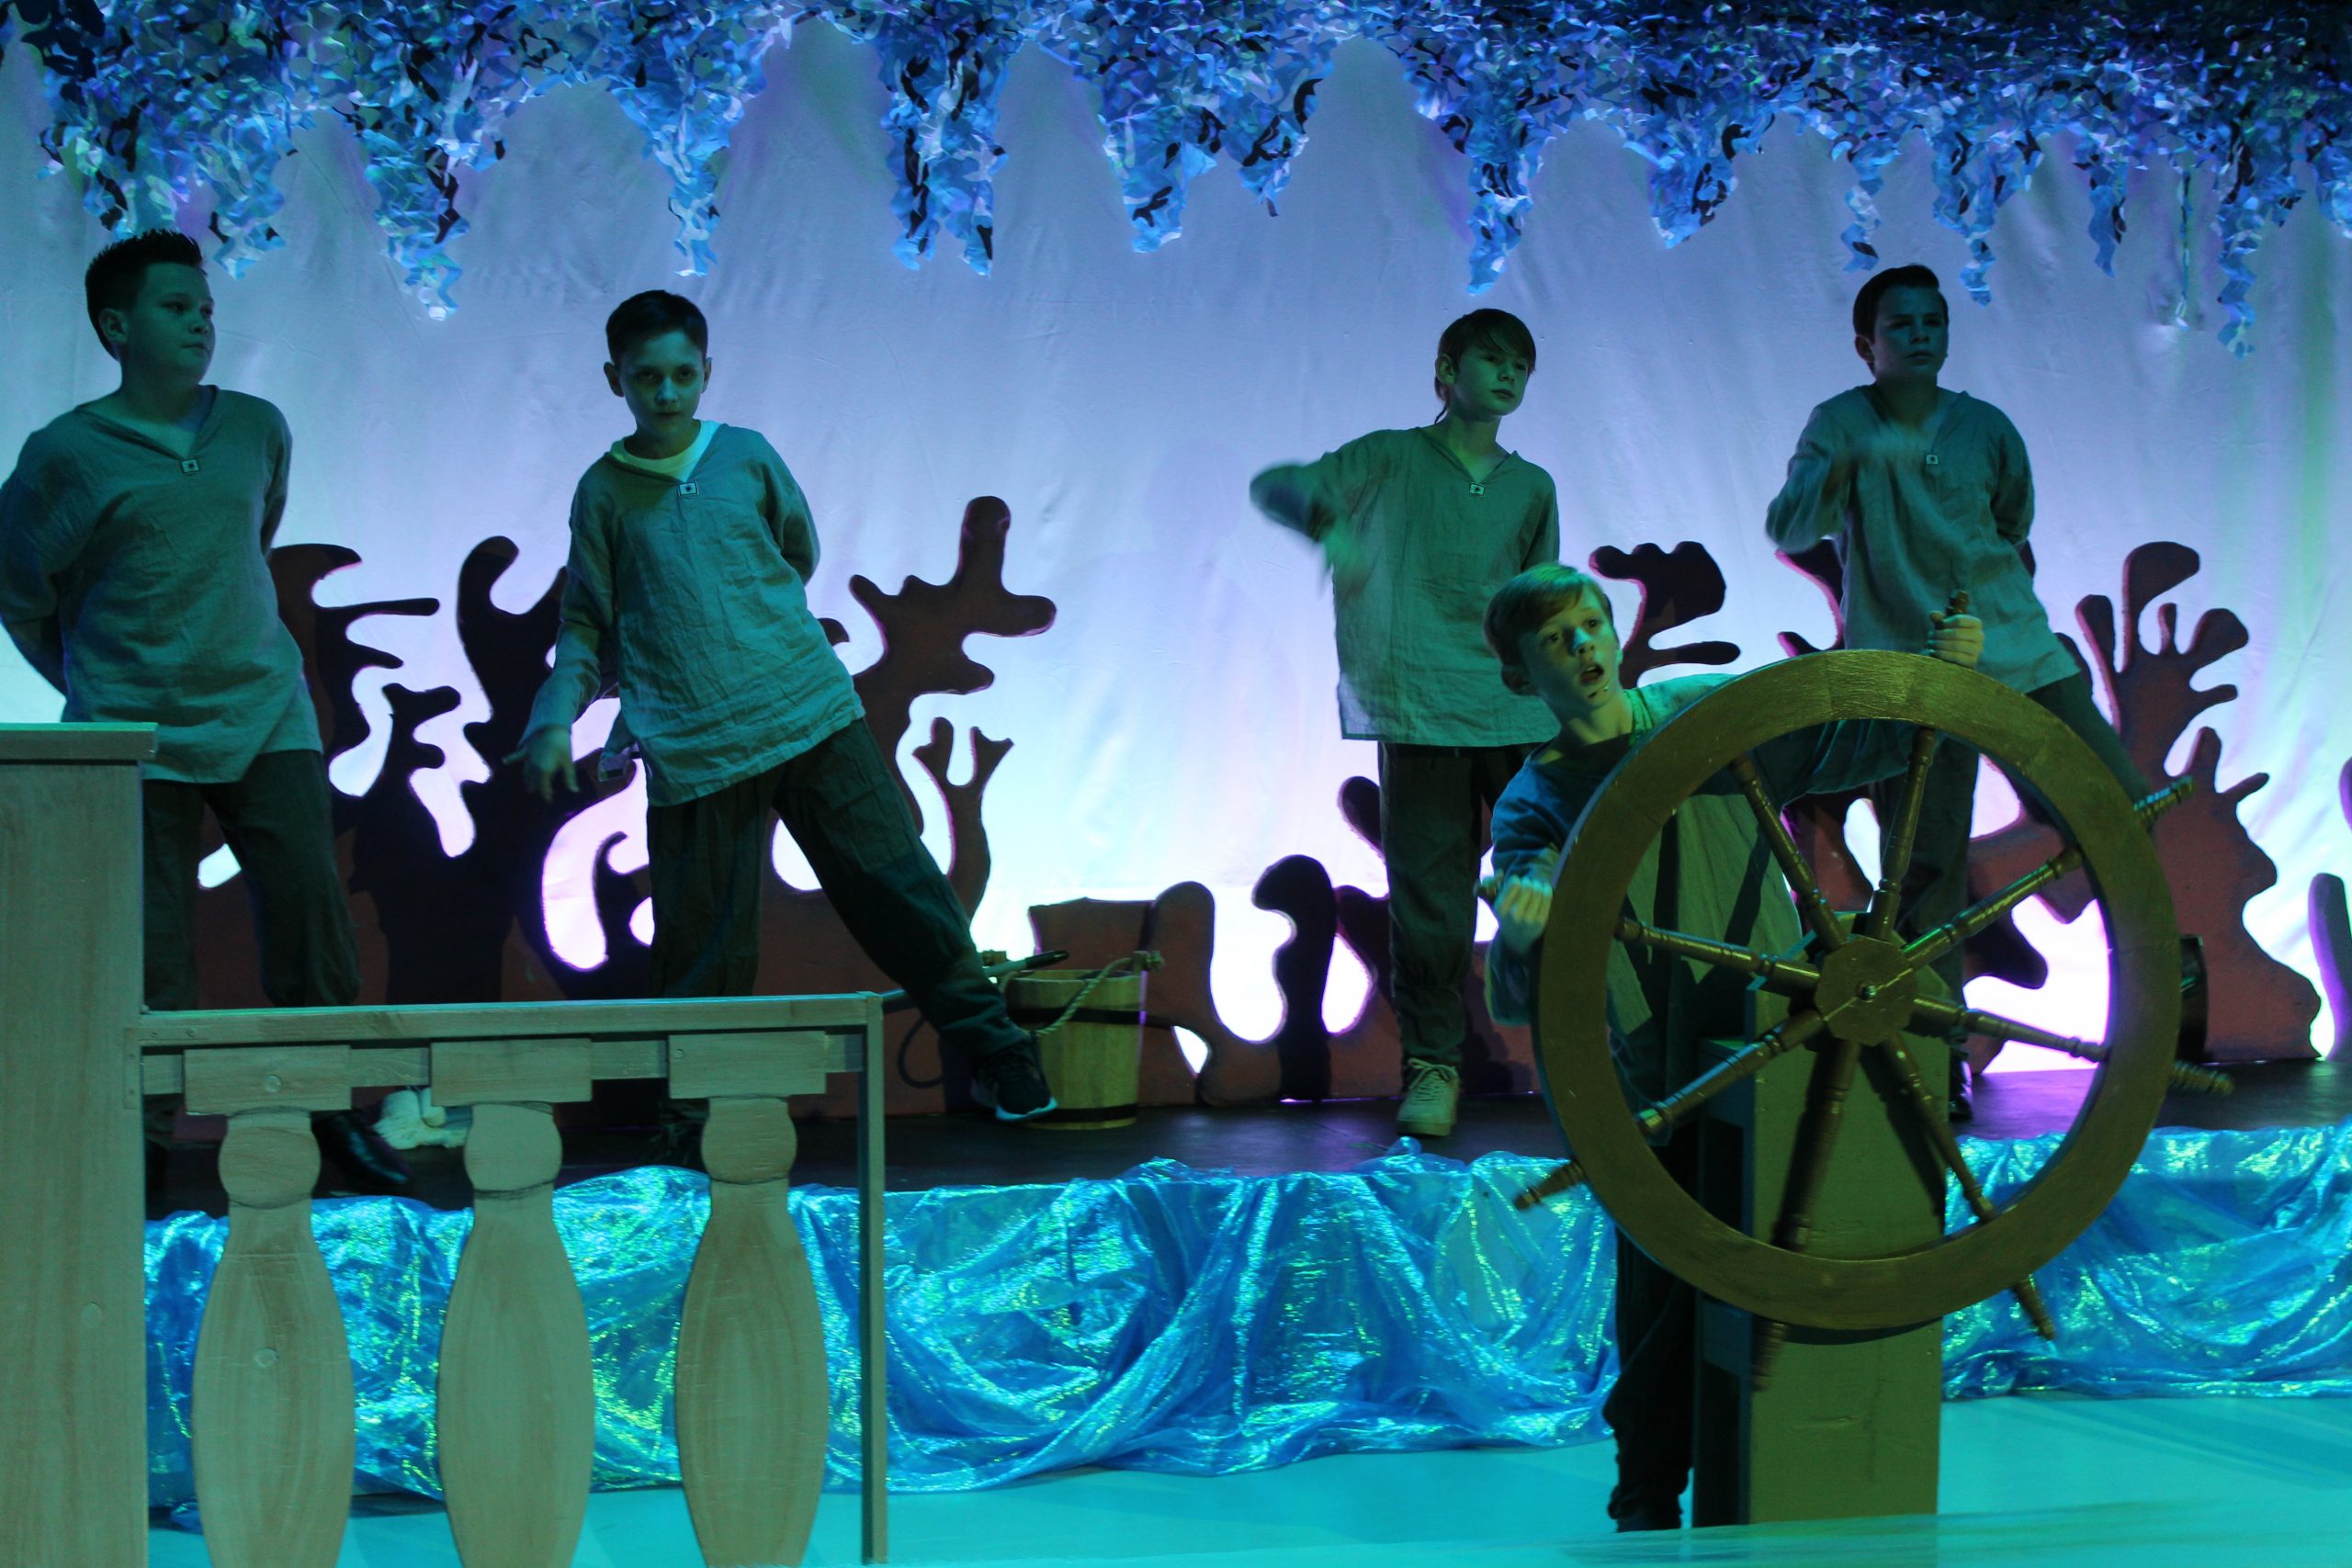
x: 504, y: 1020
x: 162, y: 1070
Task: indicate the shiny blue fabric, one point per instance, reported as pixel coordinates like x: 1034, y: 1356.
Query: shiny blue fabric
x: 1197, y: 1322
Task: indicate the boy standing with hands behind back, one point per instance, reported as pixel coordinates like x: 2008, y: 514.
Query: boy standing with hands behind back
x: 134, y: 577
x: 691, y: 551
x: 1419, y: 527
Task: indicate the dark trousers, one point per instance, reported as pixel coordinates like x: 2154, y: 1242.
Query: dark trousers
x: 1936, y: 886
x: 1655, y: 1324
x: 839, y: 802
x: 1433, y: 805
x: 280, y: 824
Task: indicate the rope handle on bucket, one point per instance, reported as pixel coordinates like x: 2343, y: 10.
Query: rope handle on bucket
x: 1137, y: 962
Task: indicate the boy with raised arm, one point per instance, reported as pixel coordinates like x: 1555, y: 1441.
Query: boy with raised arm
x: 1709, y: 874
x: 1926, y: 492
x: 134, y: 577
x: 1419, y: 528
x: 691, y: 551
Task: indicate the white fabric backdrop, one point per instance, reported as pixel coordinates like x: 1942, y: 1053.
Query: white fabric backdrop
x: 1177, y: 721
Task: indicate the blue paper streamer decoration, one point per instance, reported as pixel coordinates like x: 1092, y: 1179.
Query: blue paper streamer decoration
x: 151, y: 99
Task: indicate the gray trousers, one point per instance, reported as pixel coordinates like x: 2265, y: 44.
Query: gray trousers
x: 1935, y: 888
x: 1434, y: 802
x: 839, y: 802
x: 279, y: 823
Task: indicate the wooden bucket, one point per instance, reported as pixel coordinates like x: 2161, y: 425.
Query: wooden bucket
x: 1093, y: 1062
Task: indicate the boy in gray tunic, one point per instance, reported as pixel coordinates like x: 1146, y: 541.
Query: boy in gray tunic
x: 1419, y: 528
x: 134, y: 577
x: 1709, y: 874
x: 1926, y: 492
x: 691, y: 551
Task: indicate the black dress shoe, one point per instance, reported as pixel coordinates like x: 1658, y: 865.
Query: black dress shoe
x: 1961, y: 1105
x: 356, y: 1159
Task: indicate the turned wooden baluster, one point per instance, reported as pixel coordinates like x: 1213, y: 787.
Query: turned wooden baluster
x: 270, y: 1416
x: 751, y: 1380
x: 518, y: 1409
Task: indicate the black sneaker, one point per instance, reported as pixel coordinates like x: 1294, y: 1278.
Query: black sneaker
x: 677, y: 1140
x: 356, y: 1159
x: 1012, y: 1081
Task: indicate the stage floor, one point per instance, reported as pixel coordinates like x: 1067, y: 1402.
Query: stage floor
x: 925, y: 1152
x: 2042, y: 1479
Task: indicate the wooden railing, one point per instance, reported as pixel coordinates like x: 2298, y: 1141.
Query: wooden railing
x: 271, y: 1415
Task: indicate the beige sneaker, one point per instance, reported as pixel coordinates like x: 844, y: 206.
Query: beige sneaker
x: 1431, y: 1090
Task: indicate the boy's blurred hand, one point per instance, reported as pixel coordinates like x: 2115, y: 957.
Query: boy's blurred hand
x: 1958, y: 639
x: 543, y: 757
x: 1523, y: 903
x: 1522, y: 909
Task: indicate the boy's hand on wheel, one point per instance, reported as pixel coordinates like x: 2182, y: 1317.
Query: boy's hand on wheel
x: 1958, y: 639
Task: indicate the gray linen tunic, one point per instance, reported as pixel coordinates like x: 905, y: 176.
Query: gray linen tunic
x: 1923, y: 513
x: 137, y: 582
x: 696, y: 591
x: 1413, y: 663
x: 1708, y: 874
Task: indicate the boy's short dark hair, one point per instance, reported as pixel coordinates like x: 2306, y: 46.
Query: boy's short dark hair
x: 1531, y: 598
x: 1874, y: 289
x: 1484, y: 329
x: 117, y: 274
x: 649, y: 314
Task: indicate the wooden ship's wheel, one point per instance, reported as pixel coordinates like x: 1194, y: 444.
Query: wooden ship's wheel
x: 1853, y: 993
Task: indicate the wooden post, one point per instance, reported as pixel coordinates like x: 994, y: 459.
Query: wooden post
x: 873, y: 1321
x: 271, y: 1417
x: 72, y: 1335
x: 1847, y: 1425
x: 750, y: 1369
x: 516, y: 1400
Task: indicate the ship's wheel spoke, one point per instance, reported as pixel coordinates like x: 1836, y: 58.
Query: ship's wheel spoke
x: 1661, y: 1119
x: 1932, y: 945
x: 1764, y: 1351
x: 1565, y: 1177
x: 1825, y: 1116
x: 1946, y: 1145
x: 1895, y: 858
x: 1735, y: 1069
x: 1784, y: 975
x: 1807, y: 887
x: 1943, y: 1017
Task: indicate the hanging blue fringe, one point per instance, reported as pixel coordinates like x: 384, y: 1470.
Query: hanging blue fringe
x: 152, y: 98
